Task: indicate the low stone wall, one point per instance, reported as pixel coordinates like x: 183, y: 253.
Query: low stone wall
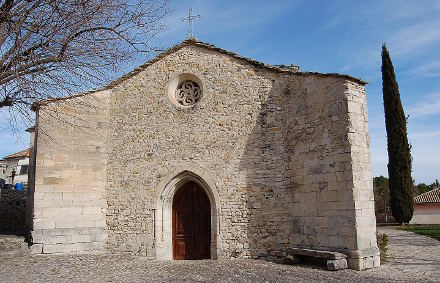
x: 426, y: 214
x: 12, y: 210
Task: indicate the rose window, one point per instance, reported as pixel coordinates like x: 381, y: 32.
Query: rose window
x: 188, y: 93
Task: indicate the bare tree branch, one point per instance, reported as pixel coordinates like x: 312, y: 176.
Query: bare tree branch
x: 53, y: 48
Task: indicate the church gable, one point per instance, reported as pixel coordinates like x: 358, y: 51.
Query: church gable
x: 281, y: 69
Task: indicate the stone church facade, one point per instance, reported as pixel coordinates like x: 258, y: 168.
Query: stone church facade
x: 280, y: 156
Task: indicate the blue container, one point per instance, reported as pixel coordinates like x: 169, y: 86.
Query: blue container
x: 19, y: 186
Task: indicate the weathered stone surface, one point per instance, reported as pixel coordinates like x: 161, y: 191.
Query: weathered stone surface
x: 336, y: 264
x: 284, y: 157
x: 317, y: 253
x: 69, y: 204
x: 13, y: 245
x: 12, y: 210
x: 292, y: 259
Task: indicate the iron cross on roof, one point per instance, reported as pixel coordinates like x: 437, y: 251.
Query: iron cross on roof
x: 190, y: 19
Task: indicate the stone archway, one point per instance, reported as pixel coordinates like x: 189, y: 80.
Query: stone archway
x: 163, y: 214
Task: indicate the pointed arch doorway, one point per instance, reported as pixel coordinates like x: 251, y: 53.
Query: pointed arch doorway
x: 163, y: 214
x: 191, y: 223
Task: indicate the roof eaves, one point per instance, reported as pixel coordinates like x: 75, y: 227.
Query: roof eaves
x: 22, y: 153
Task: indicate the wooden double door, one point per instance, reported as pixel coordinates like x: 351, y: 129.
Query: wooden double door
x: 191, y: 223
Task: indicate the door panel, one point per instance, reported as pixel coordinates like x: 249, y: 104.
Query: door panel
x: 191, y: 223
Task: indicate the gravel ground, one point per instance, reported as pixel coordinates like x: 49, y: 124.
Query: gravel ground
x: 412, y: 258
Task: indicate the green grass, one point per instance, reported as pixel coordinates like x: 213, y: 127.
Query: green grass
x: 432, y: 231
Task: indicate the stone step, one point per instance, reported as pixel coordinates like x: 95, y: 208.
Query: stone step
x: 13, y: 244
x: 335, y: 260
x: 316, y: 253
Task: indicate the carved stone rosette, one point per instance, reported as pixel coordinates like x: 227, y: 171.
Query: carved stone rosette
x: 188, y: 93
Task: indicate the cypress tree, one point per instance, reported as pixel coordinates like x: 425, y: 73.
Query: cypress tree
x: 399, y: 156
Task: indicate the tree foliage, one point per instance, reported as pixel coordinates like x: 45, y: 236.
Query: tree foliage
x: 423, y: 188
x: 380, y: 185
x: 50, y: 48
x: 381, y: 198
x: 399, y: 156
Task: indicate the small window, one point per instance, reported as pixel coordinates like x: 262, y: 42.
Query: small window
x: 188, y: 93
x: 185, y: 90
x: 24, y: 169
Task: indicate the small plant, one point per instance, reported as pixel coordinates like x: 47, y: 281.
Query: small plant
x: 382, y: 243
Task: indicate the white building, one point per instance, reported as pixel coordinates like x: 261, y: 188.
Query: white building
x: 427, y: 208
x: 14, y: 167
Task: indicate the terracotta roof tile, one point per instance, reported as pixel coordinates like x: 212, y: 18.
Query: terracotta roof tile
x: 23, y: 153
x: 433, y: 196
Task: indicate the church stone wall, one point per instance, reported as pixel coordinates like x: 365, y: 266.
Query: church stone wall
x: 151, y: 138
x: 367, y: 254
x: 287, y: 155
x: 288, y: 162
x: 70, y: 178
x: 328, y: 169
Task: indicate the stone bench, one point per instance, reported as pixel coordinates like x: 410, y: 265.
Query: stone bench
x: 335, y: 260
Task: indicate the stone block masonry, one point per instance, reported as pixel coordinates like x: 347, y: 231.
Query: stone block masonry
x: 283, y: 156
x: 12, y: 210
x: 69, y: 198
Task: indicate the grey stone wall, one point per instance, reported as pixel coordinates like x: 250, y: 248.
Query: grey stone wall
x: 12, y: 210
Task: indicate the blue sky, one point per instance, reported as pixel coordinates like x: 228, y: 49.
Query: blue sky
x: 331, y: 36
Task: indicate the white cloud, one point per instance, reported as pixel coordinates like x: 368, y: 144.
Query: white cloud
x: 426, y: 108
x: 430, y: 70
x: 411, y: 30
x: 423, y: 135
x: 425, y: 152
x: 408, y: 41
x: 413, y: 39
x: 216, y: 17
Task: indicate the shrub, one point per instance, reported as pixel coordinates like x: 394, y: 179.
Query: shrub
x: 399, y: 156
x: 382, y: 243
